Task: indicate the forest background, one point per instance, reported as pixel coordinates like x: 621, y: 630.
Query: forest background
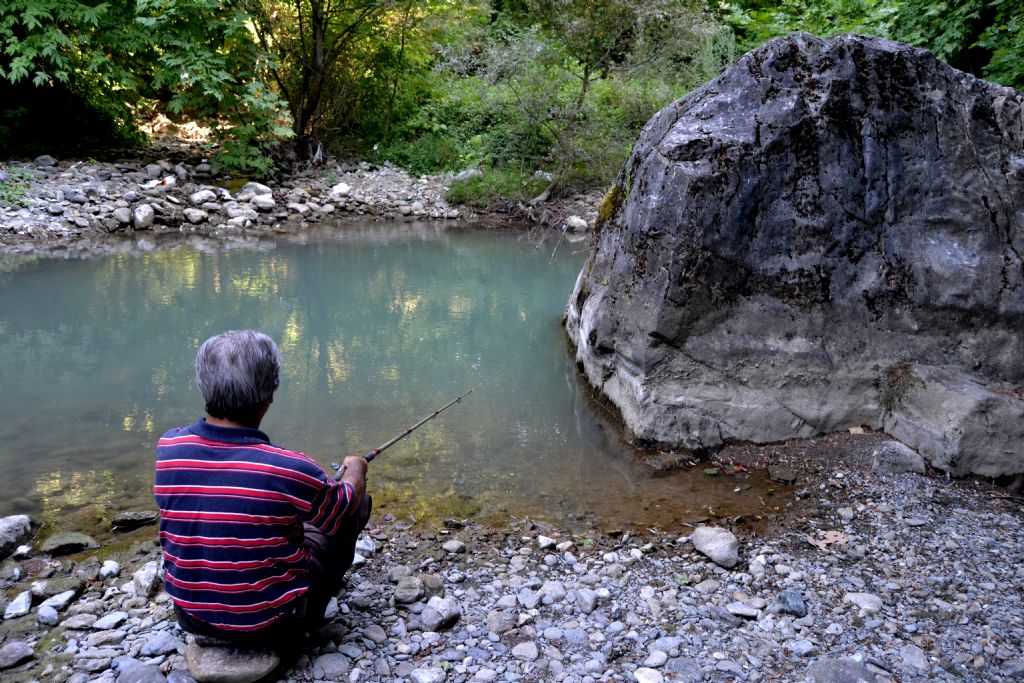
x: 544, y: 97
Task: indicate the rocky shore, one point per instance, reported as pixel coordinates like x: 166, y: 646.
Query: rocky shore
x: 55, y: 201
x: 882, y: 574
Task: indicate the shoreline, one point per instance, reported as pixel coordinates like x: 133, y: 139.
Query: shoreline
x: 909, y: 578
x: 59, y: 203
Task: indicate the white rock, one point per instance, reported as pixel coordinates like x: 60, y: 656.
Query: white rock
x: 646, y: 675
x: 526, y: 651
x: 13, y: 530
x: 202, y: 196
x: 257, y: 188
x: 366, y: 546
x: 576, y: 224
x: 454, y: 546
x: 146, y: 580
x: 871, y: 604
x: 195, y: 216
x: 112, y: 620
x: 20, y: 606
x: 110, y: 569
x: 430, y: 674
x: 263, y: 202
x: 720, y: 545
x: 143, y: 216
x: 60, y: 601
x: 340, y: 190
x: 545, y: 543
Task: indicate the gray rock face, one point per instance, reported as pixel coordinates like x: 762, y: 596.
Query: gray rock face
x: 13, y: 530
x: 786, y: 242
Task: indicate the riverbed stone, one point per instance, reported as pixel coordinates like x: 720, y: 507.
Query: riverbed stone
x: 143, y: 216
x: 47, y: 615
x: 263, y: 202
x: 526, y: 651
x: 109, y: 621
x: 331, y: 666
x: 501, y: 620
x: 454, y: 546
x: 440, y: 613
x: 13, y: 654
x: 19, y: 606
x: 230, y: 665
x: 146, y: 580
x: 867, y: 602
x: 720, y: 545
x: 61, y: 600
x: 409, y: 589
x: 839, y: 671
x: 68, y: 542
x: 792, y: 602
x: 429, y: 674
x: 14, y: 530
x: 160, y: 643
x: 136, y: 519
x: 200, y: 197
x: 123, y: 215
x: 133, y: 671
x: 817, y: 201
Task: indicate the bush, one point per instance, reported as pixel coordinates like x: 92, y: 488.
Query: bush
x: 496, y: 185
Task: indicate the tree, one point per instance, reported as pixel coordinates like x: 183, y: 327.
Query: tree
x: 584, y: 41
x: 196, y: 54
x: 309, y: 40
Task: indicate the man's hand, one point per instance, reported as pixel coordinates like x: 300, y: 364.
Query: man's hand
x: 355, y: 474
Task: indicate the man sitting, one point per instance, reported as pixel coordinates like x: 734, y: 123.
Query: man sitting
x: 256, y: 538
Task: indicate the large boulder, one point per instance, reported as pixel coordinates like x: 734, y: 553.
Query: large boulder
x: 829, y: 234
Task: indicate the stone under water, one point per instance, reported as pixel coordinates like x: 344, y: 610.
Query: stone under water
x: 828, y: 235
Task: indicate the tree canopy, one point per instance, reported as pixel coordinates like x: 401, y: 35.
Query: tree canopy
x: 515, y: 86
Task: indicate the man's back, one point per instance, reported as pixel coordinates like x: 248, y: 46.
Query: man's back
x: 232, y: 512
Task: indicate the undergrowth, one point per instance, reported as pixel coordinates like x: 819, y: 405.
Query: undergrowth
x: 13, y: 184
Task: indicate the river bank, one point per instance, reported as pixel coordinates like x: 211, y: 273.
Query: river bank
x: 890, y: 577
x: 50, y: 201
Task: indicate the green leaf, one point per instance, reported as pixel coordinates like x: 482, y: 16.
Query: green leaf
x: 711, y: 470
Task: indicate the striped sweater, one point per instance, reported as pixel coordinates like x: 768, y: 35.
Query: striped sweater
x: 232, y: 506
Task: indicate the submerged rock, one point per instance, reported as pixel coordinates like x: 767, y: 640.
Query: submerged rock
x: 829, y: 234
x: 127, y: 521
x: 68, y: 542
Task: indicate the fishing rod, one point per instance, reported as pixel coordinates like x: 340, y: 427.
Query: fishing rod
x: 340, y: 471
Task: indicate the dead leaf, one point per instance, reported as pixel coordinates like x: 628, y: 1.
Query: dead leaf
x: 826, y: 539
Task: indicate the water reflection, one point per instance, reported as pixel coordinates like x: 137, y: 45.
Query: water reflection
x: 378, y: 326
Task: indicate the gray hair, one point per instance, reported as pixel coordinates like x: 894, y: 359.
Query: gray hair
x: 237, y: 372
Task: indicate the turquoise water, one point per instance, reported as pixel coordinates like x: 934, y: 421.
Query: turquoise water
x: 378, y: 326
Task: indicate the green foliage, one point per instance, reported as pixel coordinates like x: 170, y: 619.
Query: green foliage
x: 13, y: 184
x: 983, y: 37
x: 495, y: 186
x: 197, y: 55
x: 894, y: 383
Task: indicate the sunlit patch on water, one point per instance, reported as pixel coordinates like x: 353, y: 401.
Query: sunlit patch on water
x: 379, y: 326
